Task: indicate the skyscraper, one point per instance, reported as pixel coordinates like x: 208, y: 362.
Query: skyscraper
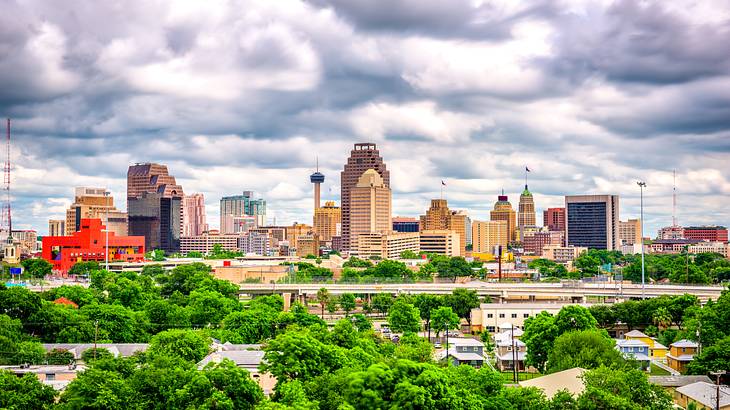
x: 95, y: 203
x: 370, y: 206
x: 242, y: 205
x: 554, y: 219
x: 56, y: 227
x: 194, y: 223
x: 440, y: 217
x: 629, y: 232
x: 592, y: 221
x: 364, y: 156
x: 154, y: 205
x: 503, y: 212
x: 486, y: 234
x: 526, y: 209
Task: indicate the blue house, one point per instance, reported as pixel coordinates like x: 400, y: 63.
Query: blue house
x: 636, y: 350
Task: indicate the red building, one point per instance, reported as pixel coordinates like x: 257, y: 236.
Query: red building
x: 89, y: 244
x: 554, y: 219
x: 706, y: 233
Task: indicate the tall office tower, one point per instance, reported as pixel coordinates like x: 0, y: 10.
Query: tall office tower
x: 487, y: 234
x: 554, y: 219
x: 242, y: 205
x: 364, y: 156
x: 194, y: 223
x: 56, y: 227
x: 467, y: 228
x: 629, y: 232
x: 317, y: 179
x: 591, y: 221
x: 503, y: 212
x: 154, y: 205
x: 526, y: 209
x: 158, y: 219
x: 151, y: 177
x: 327, y: 221
x: 95, y: 203
x: 370, y: 206
x: 439, y: 217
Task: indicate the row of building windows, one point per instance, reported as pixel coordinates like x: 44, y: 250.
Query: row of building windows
x: 513, y: 315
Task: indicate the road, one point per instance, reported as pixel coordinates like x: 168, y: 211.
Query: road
x: 496, y: 290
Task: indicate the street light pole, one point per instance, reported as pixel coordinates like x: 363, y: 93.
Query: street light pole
x: 717, y: 395
x: 642, y: 185
x: 446, y: 326
x: 106, y: 251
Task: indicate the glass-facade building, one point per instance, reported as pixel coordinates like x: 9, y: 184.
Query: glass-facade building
x: 158, y: 219
x: 242, y: 205
x: 592, y: 221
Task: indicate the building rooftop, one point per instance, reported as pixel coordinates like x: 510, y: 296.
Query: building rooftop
x: 461, y: 356
x: 465, y: 341
x: 684, y: 343
x: 249, y: 359
x: 117, y: 349
x: 507, y: 357
x: 705, y: 393
x: 635, y: 333
x: 677, y: 381
x: 630, y: 343
x: 550, y: 384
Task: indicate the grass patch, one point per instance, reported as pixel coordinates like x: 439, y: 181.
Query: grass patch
x: 657, y: 371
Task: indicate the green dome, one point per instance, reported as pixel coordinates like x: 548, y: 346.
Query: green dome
x: 526, y: 192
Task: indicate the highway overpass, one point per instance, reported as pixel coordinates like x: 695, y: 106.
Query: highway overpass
x: 574, y: 291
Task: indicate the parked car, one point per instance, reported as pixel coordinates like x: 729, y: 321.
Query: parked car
x: 384, y: 330
x: 437, y: 346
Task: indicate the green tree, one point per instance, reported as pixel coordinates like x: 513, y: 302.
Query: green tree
x: 37, y: 268
x: 382, y: 302
x: 25, y: 392
x: 588, y: 349
x: 188, y: 345
x: 408, y: 254
x: 662, y: 318
x: 574, y: 317
x: 604, y: 314
x: 333, y: 303
x: 712, y: 358
x: 404, y: 317
x: 75, y: 293
x: 297, y: 355
x: 323, y: 296
x: 539, y: 334
x: 98, y: 389
x: 355, y: 262
x: 18, y: 302
x: 462, y: 301
x: 59, y: 356
x: 96, y: 353
x: 426, y: 303
x: 347, y: 303
x: 444, y: 319
x: 611, y: 385
x: 587, y: 264
x: 84, y: 268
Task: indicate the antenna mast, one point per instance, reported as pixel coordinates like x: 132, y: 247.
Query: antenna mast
x: 674, y: 197
x: 7, y: 221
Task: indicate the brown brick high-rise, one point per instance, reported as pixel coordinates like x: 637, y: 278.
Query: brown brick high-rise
x: 363, y: 157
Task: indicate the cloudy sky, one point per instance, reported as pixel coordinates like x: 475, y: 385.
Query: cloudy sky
x: 244, y: 95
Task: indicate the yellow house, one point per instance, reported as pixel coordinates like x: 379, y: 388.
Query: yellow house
x: 656, y: 349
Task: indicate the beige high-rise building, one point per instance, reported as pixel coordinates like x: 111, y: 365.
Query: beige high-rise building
x: 370, y: 205
x: 629, y: 232
x: 526, y: 209
x: 440, y: 217
x: 308, y: 244
x: 363, y: 157
x: 440, y: 242
x: 327, y: 221
x: 95, y: 203
x: 295, y: 231
x: 56, y: 227
x: 485, y: 235
x: 385, y: 245
x: 503, y: 212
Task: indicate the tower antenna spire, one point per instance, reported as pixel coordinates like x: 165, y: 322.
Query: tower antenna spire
x: 674, y: 197
x: 7, y: 220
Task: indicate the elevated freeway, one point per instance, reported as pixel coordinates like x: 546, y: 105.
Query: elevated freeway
x: 566, y: 290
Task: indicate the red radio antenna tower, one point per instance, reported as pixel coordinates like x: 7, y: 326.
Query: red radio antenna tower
x: 7, y: 220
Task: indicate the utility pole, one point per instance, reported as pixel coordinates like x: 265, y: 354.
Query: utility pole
x: 642, y: 185
x: 717, y: 395
x: 106, y: 251
x: 96, y: 336
x: 514, y: 355
x: 446, y: 327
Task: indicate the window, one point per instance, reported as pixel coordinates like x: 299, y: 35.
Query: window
x: 514, y: 316
x: 501, y: 315
x: 525, y: 315
x: 50, y: 376
x: 489, y: 315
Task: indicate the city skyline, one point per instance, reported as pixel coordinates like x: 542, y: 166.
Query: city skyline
x: 244, y: 96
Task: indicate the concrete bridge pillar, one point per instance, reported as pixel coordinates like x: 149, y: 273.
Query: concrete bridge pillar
x: 287, y: 300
